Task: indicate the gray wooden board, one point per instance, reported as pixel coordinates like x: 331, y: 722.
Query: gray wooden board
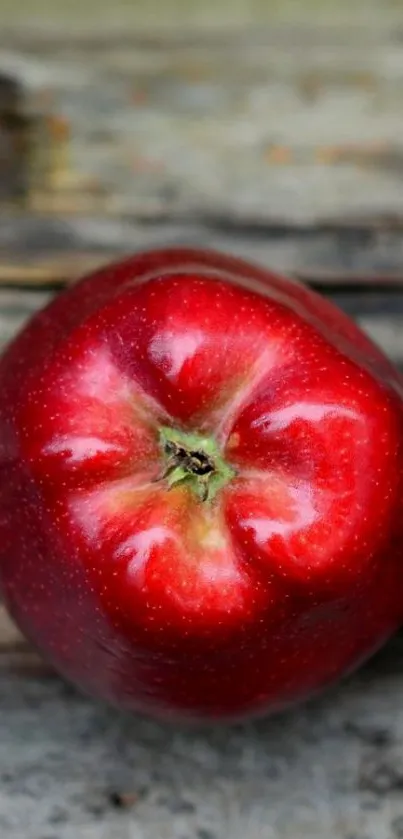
x: 72, y: 769
x: 330, y: 770
x: 39, y: 248
x: 294, y: 120
x: 380, y: 314
x: 185, y: 17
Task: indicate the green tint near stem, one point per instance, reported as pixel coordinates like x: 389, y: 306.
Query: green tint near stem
x: 196, y: 460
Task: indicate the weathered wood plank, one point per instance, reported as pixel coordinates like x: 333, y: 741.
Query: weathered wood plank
x: 332, y: 769
x: 39, y: 250
x: 281, y: 125
x: 179, y: 15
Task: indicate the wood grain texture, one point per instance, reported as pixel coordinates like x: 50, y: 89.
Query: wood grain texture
x: 286, y: 124
x: 40, y: 250
x: 152, y: 16
x: 260, y: 121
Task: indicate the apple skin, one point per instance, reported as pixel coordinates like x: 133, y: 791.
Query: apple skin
x: 220, y: 590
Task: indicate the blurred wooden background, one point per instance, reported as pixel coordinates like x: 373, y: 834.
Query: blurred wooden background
x: 274, y: 129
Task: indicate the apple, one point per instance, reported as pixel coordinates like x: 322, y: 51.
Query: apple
x: 201, y: 487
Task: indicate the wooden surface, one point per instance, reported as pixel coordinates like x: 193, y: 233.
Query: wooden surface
x: 83, y: 16
x: 264, y: 118
x: 303, y: 126
x: 38, y: 251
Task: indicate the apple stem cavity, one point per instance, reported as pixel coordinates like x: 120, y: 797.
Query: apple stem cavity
x: 196, y: 460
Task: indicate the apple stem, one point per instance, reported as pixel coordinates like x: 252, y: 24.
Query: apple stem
x: 196, y: 460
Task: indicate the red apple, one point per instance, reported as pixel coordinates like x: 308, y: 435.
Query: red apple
x: 201, y: 487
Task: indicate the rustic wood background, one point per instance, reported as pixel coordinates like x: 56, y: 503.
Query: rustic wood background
x: 272, y: 129
x: 233, y: 122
